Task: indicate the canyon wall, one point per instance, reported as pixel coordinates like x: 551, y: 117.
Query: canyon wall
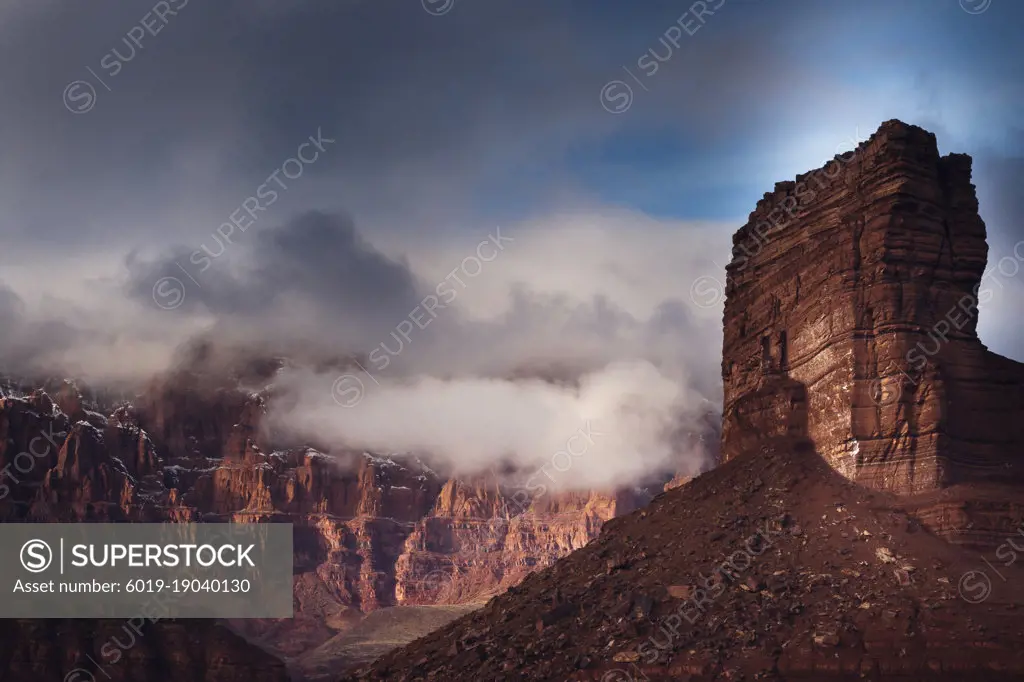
x: 851, y: 318
x: 371, y: 530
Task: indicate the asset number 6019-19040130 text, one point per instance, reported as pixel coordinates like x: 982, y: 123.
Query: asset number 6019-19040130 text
x: 192, y: 585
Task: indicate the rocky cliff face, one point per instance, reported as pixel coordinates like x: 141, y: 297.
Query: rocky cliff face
x: 851, y: 318
x: 371, y: 531
x: 81, y: 466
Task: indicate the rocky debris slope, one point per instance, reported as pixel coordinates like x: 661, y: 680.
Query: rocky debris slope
x: 771, y: 567
x: 851, y: 317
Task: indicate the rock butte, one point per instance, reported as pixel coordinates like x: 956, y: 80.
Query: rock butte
x: 851, y: 318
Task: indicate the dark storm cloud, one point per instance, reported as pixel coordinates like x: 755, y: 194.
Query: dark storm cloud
x: 315, y: 267
x: 425, y: 109
x: 225, y: 88
x: 315, y: 282
x: 323, y: 256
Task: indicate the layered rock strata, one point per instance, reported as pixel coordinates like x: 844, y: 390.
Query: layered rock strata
x: 851, y: 316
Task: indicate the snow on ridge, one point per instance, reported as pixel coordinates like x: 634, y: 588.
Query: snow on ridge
x: 381, y: 461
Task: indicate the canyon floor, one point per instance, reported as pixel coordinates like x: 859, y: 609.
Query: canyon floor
x: 377, y: 633
x: 770, y: 567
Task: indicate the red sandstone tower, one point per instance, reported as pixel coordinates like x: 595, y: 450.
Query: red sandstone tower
x: 851, y: 319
